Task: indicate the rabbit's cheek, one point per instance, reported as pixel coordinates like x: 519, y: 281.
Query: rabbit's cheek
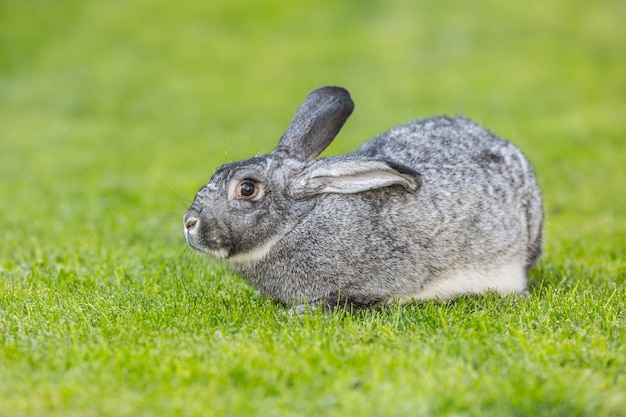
x: 242, y: 205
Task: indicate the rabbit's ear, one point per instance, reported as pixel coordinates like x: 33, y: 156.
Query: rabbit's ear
x: 315, y: 124
x: 349, y: 175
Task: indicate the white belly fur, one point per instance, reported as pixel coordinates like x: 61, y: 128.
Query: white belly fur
x: 505, y: 280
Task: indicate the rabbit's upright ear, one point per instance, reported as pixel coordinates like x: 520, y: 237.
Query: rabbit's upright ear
x: 350, y: 175
x: 315, y: 124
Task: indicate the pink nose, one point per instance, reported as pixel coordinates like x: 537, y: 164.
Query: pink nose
x: 191, y: 224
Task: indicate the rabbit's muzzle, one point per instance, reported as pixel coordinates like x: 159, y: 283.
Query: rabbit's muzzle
x: 203, y: 235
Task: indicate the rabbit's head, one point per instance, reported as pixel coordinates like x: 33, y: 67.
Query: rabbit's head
x: 248, y: 206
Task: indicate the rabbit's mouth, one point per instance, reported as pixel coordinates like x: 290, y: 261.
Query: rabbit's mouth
x: 219, y: 253
x: 210, y: 250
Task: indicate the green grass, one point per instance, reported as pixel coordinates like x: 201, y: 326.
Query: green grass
x: 112, y: 115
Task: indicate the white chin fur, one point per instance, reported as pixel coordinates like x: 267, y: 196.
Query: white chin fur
x: 219, y: 254
x: 256, y: 254
x: 506, y: 279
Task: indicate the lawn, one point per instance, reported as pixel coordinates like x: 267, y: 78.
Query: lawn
x: 113, y: 114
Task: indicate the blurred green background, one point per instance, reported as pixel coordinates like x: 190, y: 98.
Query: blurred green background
x: 104, y: 106
x: 113, y: 113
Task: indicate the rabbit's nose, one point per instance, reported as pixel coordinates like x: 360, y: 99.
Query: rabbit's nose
x: 191, y: 224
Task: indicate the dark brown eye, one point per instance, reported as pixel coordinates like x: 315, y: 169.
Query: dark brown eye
x: 247, y: 189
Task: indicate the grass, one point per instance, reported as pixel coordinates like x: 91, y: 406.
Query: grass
x: 113, y: 114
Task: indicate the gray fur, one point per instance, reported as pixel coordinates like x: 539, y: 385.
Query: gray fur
x: 435, y: 208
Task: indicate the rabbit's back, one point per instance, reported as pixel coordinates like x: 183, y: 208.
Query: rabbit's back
x: 439, y: 141
x: 469, y: 175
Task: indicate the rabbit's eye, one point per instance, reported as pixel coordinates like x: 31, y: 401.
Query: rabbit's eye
x: 247, y: 189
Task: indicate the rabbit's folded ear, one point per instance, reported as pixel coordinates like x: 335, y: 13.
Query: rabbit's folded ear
x: 315, y: 124
x: 349, y: 175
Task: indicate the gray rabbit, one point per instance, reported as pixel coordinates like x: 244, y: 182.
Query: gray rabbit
x: 433, y: 209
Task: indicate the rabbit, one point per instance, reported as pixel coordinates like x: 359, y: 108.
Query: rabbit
x: 433, y: 209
